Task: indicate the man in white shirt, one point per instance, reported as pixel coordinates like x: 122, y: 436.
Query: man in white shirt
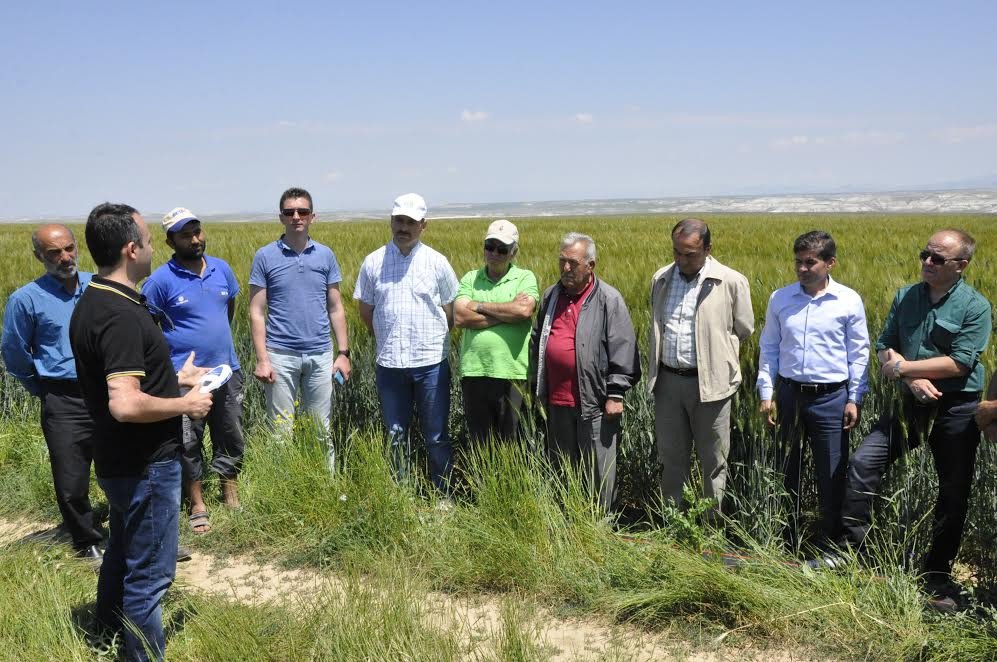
x: 406, y: 292
x: 812, y: 373
x: 700, y: 315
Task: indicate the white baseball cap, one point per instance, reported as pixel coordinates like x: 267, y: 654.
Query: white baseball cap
x: 177, y: 219
x: 504, y: 231
x: 411, y: 205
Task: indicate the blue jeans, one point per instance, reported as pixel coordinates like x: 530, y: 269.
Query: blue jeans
x: 141, y: 557
x: 312, y: 374
x: 427, y: 387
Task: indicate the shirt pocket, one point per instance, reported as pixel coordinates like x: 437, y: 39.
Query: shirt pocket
x: 943, y: 332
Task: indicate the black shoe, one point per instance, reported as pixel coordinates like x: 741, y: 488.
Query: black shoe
x: 92, y: 554
x: 183, y: 554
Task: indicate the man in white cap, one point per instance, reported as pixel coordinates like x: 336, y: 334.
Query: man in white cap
x: 406, y: 291
x: 494, y: 306
x: 197, y: 292
x: 294, y: 303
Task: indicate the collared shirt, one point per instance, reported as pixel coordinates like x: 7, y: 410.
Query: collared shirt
x: 958, y: 326
x: 500, y: 351
x: 815, y: 340
x: 297, y: 286
x: 114, y: 335
x: 561, y: 367
x: 407, y: 293
x: 678, y: 320
x: 197, y: 305
x: 35, y: 342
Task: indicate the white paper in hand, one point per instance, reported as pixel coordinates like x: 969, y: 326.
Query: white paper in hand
x: 215, y: 378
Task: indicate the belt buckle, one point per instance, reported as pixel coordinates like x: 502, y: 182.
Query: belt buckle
x: 810, y: 388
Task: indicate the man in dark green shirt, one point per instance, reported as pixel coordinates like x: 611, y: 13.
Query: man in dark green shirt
x: 931, y: 346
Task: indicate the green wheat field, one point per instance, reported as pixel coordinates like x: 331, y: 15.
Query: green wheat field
x: 516, y: 533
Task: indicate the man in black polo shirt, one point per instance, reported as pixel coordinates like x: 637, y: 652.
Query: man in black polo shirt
x: 126, y: 375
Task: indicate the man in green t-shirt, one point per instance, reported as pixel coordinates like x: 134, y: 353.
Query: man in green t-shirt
x: 494, y: 306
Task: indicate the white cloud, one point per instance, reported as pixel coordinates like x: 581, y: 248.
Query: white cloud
x: 584, y: 118
x: 963, y: 134
x: 473, y: 115
x: 333, y: 176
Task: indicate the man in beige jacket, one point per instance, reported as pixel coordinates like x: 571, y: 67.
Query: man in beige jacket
x: 700, y: 314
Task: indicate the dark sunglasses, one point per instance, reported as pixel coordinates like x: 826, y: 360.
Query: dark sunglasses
x: 162, y: 319
x: 496, y: 247
x: 302, y: 212
x: 935, y: 258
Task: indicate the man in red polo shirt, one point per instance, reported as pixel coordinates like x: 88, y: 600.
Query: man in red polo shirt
x: 583, y: 358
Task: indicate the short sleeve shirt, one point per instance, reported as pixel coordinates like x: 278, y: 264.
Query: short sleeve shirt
x: 197, y: 308
x: 114, y: 335
x: 958, y: 326
x: 297, y: 286
x: 407, y: 293
x: 500, y: 351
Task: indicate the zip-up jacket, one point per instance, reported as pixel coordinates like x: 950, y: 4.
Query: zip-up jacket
x: 606, y: 356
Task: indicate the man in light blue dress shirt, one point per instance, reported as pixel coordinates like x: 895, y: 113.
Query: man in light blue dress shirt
x: 812, y: 373
x: 36, y: 351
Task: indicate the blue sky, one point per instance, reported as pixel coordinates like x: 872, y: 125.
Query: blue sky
x: 219, y: 106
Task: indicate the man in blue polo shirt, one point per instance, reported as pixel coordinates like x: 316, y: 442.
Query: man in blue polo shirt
x: 294, y: 302
x: 36, y: 351
x: 197, y: 293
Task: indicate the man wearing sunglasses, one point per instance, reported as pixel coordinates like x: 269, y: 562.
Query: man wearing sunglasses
x: 583, y: 360
x: 934, y: 335
x: 294, y: 302
x: 701, y: 313
x: 494, y: 306
x: 405, y: 291
x: 36, y: 352
x: 133, y: 395
x: 197, y: 293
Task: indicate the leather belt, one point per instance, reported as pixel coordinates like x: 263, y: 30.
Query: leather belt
x: 814, y: 389
x: 681, y: 372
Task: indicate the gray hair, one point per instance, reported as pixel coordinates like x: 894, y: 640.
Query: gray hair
x: 573, y: 238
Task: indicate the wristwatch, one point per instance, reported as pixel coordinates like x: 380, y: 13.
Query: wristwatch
x: 896, y: 369
x: 477, y: 308
x: 344, y: 352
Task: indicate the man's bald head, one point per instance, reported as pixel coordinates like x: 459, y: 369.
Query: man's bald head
x: 55, y: 247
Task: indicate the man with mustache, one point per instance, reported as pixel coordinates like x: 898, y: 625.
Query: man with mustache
x: 197, y: 292
x: 36, y: 351
x: 294, y: 303
x: 583, y: 360
x: 406, y: 293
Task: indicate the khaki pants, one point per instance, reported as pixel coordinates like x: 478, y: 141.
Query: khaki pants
x: 681, y: 420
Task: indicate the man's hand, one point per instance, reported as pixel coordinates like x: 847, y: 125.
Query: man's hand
x: 263, y: 371
x: 923, y: 390
x: 190, y: 375
x: 851, y: 417
x: 767, y: 407
x: 990, y: 432
x: 986, y: 413
x: 887, y: 362
x: 613, y: 408
x: 196, y: 403
x: 343, y: 365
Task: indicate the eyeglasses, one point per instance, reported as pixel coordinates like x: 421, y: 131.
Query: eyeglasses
x: 302, y: 212
x: 158, y: 314
x: 496, y: 247
x: 935, y: 258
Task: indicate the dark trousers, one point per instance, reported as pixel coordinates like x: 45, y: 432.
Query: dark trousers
x: 69, y: 435
x: 953, y: 438
x: 818, y: 418
x: 225, y: 422
x: 491, y: 407
x: 587, y: 445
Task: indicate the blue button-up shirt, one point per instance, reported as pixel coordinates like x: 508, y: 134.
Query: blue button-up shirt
x: 35, y: 343
x: 816, y: 340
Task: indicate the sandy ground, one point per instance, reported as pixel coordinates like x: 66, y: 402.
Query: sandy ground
x: 248, y: 581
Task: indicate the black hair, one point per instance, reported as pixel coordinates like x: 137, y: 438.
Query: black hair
x: 294, y: 192
x: 817, y: 241
x: 110, y: 227
x: 688, y: 226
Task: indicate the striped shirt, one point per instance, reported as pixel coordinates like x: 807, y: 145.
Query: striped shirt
x: 678, y: 320
x: 407, y: 293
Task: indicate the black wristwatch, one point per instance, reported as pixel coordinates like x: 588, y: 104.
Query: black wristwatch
x: 344, y: 352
